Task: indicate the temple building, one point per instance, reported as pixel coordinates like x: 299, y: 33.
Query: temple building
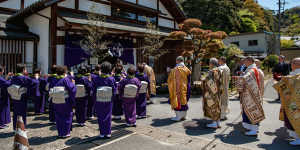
x: 41, y: 33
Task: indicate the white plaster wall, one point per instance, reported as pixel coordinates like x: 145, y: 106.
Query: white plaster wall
x: 165, y: 22
x: 67, y: 4
x: 134, y: 56
x: 40, y: 26
x: 86, y: 5
x: 262, y: 45
x: 60, y: 54
x: 29, y: 2
x: 163, y: 9
x: 13, y: 4
x: 148, y: 3
x: 29, y: 52
x: 60, y: 22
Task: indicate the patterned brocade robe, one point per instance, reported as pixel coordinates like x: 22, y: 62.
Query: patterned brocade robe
x: 212, y: 89
x: 289, y: 90
x: 151, y: 75
x: 225, y: 76
x: 251, y: 89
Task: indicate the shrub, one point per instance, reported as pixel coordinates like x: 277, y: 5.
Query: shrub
x: 287, y: 43
x: 270, y: 61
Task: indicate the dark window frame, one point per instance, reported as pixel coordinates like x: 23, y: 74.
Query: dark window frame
x: 252, y: 42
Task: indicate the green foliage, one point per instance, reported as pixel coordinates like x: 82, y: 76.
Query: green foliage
x: 234, y: 33
x: 231, y: 51
x: 248, y: 25
x: 270, y: 61
x: 291, y: 21
x: 287, y: 43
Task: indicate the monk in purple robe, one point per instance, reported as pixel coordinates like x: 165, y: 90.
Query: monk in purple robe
x: 104, y: 91
x: 63, y: 97
x: 141, y: 102
x: 51, y: 81
x: 37, y: 92
x: 92, y: 99
x: 20, y: 84
x: 129, y: 88
x: 84, y: 87
x: 4, y: 101
x: 117, y: 102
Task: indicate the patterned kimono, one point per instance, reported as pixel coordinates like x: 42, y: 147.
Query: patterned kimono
x: 249, y: 86
x: 63, y: 110
x: 20, y: 104
x: 4, y: 102
x: 117, y: 102
x: 225, y: 79
x: 82, y: 83
x: 129, y: 98
x: 179, y: 87
x: 104, y: 91
x: 51, y: 81
x: 141, y: 102
x: 289, y: 90
x: 212, y: 89
x: 151, y: 75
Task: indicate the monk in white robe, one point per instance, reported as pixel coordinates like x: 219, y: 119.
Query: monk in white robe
x: 225, y: 75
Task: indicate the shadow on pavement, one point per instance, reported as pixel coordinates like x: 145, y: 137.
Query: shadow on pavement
x: 6, y: 135
x: 197, y: 127
x: 37, y: 125
x: 41, y: 140
x: 236, y: 136
x: 162, y: 122
x: 280, y: 142
x: 73, y: 140
x: 42, y: 118
x: 274, y: 102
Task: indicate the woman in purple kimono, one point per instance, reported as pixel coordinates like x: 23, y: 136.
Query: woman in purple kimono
x: 129, y: 88
x: 141, y: 102
x: 37, y: 93
x: 117, y: 102
x: 63, y: 97
x: 20, y: 85
x: 92, y: 99
x: 83, y: 86
x: 51, y: 81
x: 4, y: 101
x: 104, y: 91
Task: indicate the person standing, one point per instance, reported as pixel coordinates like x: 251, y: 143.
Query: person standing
x: 288, y: 89
x: 141, y: 102
x: 84, y: 89
x: 20, y: 85
x: 249, y: 86
x: 179, y: 89
x: 280, y: 69
x: 225, y: 79
x: 129, y: 88
x: 37, y: 93
x: 63, y: 97
x: 92, y: 100
x: 4, y: 101
x: 213, y: 89
x: 117, y: 102
x: 104, y: 91
x: 51, y: 81
x: 151, y: 75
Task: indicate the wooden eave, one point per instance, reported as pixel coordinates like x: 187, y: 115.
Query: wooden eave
x: 173, y: 7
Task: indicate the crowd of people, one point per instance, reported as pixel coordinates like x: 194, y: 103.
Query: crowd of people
x: 109, y: 92
x: 104, y: 93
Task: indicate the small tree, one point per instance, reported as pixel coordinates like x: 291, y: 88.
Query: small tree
x: 230, y: 52
x: 270, y: 61
x: 205, y: 43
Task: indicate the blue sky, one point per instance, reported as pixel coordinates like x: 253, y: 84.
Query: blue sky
x: 272, y: 4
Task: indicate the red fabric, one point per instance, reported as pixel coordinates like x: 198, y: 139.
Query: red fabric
x: 256, y: 76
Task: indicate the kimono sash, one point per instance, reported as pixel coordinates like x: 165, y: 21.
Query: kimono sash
x: 130, y: 91
x: 144, y: 87
x: 251, y: 99
x: 104, y: 94
x: 16, y: 91
x: 81, y: 92
x: 289, y: 90
x: 58, y: 94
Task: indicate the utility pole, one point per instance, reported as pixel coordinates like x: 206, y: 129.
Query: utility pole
x: 281, y: 4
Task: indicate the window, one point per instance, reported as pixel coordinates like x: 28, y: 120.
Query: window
x: 236, y: 43
x: 252, y: 43
x: 116, y: 12
x: 144, y: 19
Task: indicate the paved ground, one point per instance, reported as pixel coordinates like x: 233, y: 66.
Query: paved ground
x: 159, y: 133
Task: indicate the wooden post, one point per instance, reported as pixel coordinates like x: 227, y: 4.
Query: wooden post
x: 35, y: 54
x: 53, y: 34
x: 76, y: 4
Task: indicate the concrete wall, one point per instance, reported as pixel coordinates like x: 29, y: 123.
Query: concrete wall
x: 86, y: 5
x: 290, y: 54
x: 262, y: 45
x: 13, y: 4
x: 40, y: 26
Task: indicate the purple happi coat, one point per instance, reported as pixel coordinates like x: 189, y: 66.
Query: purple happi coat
x: 141, y: 102
x: 129, y: 104
x: 51, y: 81
x: 20, y: 106
x: 4, y: 102
x: 64, y: 112
x: 37, y: 94
x: 117, y: 102
x: 82, y: 102
x: 104, y: 109
x: 92, y: 100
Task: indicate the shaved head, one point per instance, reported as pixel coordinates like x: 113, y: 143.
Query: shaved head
x: 296, y: 63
